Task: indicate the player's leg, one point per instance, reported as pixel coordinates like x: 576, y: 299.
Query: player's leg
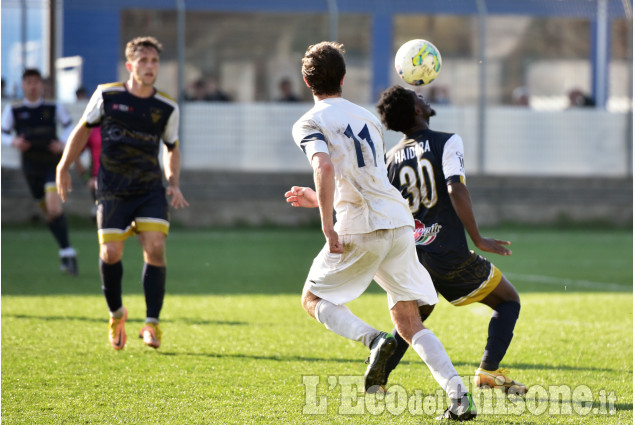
x: 402, y: 345
x: 338, y: 318
x: 152, y: 225
x: 405, y: 316
x: 56, y: 220
x: 41, y: 181
x: 333, y: 281
x: 406, y: 281
x: 113, y: 223
x: 505, y: 302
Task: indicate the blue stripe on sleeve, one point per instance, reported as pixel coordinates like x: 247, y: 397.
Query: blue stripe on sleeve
x: 311, y: 138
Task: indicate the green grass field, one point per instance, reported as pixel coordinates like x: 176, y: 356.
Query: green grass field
x: 238, y: 348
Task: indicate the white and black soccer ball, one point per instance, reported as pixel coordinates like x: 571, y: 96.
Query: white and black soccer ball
x: 418, y: 62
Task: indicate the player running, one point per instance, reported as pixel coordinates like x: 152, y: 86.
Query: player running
x: 134, y: 119
x: 427, y: 168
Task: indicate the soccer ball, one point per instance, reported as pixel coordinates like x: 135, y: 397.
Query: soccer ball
x: 418, y: 62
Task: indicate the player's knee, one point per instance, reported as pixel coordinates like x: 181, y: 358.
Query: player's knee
x: 110, y: 254
x: 309, y: 302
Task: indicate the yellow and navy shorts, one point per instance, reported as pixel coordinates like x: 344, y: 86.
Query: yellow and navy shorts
x: 467, y: 283
x: 120, y: 218
x: 40, y: 178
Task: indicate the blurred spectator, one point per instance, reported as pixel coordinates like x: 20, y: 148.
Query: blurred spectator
x: 81, y: 93
x: 202, y: 90
x: 439, y: 95
x: 4, y: 94
x: 520, y: 96
x: 577, y: 98
x: 286, y: 91
x: 93, y: 146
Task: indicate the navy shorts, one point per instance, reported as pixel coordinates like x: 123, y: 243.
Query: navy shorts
x: 467, y: 283
x: 120, y: 218
x: 40, y: 178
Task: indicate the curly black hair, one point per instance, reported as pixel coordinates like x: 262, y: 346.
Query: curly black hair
x: 323, y: 67
x: 396, y: 108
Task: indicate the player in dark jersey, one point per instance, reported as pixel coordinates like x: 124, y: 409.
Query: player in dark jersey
x: 134, y: 119
x: 35, y: 121
x: 427, y: 167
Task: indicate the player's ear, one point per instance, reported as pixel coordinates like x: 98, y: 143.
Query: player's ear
x: 306, y: 82
x: 129, y: 66
x: 342, y: 82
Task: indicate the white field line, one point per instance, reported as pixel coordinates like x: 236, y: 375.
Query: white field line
x: 550, y: 280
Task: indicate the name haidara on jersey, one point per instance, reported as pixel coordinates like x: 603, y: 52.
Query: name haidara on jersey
x: 412, y: 152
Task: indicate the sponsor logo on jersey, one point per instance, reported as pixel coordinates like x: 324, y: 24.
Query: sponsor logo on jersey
x: 425, y: 235
x: 156, y: 114
x: 121, y: 107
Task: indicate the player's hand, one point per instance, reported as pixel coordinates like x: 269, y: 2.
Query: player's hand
x: 302, y: 197
x: 92, y: 183
x: 21, y: 144
x: 495, y: 246
x: 56, y: 147
x: 333, y: 239
x: 178, y: 200
x: 63, y: 182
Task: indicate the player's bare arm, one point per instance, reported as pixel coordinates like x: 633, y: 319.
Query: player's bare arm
x: 299, y: 196
x: 324, y: 176
x: 462, y: 203
x: 172, y: 172
x: 74, y: 146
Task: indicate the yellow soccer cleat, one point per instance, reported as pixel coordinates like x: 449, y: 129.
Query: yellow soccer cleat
x: 498, y: 379
x: 151, y: 335
x: 117, y: 331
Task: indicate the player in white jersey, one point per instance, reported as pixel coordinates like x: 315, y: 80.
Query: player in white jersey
x: 372, y: 238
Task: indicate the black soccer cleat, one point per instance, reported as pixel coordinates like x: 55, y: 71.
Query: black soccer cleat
x: 460, y: 410
x: 382, y: 347
x: 69, y: 265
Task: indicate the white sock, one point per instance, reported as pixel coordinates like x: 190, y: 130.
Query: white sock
x: 431, y: 351
x: 342, y: 321
x: 67, y: 252
x: 117, y: 314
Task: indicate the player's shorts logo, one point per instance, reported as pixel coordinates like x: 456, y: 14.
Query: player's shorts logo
x: 425, y: 235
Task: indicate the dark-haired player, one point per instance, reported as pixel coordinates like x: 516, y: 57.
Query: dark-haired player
x: 372, y: 238
x: 135, y: 118
x: 35, y: 121
x: 427, y: 168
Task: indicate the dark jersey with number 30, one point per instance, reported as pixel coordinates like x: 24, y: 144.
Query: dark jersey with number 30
x: 421, y: 166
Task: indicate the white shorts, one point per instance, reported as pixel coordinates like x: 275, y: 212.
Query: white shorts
x: 388, y: 256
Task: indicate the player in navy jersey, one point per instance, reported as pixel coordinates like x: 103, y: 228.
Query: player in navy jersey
x: 35, y: 121
x: 135, y: 119
x: 427, y: 167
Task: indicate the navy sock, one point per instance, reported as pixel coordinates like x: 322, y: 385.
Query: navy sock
x: 111, y: 275
x: 501, y: 331
x: 400, y: 351
x: 153, y: 280
x: 59, y: 228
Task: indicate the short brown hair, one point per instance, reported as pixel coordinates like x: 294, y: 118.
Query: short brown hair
x: 323, y: 67
x: 139, y: 43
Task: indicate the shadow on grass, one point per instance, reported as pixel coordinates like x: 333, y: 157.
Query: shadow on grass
x: 102, y: 320
x: 519, y: 366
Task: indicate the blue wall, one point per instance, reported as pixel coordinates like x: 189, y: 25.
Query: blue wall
x: 92, y: 29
